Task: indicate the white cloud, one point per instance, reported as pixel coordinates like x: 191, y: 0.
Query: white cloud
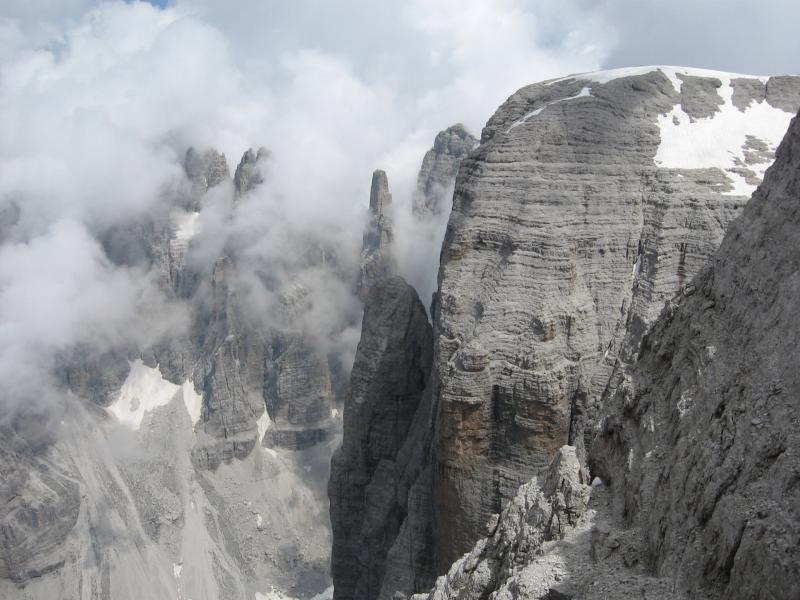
x: 99, y: 100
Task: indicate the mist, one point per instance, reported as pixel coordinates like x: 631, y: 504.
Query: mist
x: 99, y: 102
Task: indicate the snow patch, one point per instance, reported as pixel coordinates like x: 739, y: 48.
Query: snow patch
x: 193, y: 402
x: 586, y: 91
x: 263, y: 424
x: 259, y: 521
x: 144, y: 390
x: 176, y: 569
x: 718, y: 141
x: 637, y: 266
x: 670, y: 71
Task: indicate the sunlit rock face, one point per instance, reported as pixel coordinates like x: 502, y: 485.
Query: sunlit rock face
x: 694, y: 458
x: 590, y: 201
x: 579, y: 215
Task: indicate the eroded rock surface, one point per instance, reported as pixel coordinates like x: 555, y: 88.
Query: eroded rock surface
x: 389, y: 375
x: 570, y: 228
x: 699, y: 439
x: 588, y: 204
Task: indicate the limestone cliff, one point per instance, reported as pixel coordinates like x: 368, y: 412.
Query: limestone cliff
x: 389, y: 375
x: 698, y: 441
x: 590, y: 201
x: 572, y: 223
x: 697, y: 446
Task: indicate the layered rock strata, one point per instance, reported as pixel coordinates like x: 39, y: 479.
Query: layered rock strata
x: 698, y: 439
x: 590, y: 201
x: 390, y: 373
x: 559, y: 270
x: 696, y: 446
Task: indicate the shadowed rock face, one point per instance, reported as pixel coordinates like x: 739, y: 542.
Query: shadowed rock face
x: 571, y: 226
x: 377, y: 260
x: 390, y: 372
x: 39, y: 505
x: 699, y: 439
x: 697, y: 446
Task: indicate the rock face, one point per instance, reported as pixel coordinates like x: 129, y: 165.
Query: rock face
x: 40, y: 507
x: 696, y: 446
x: 376, y: 254
x: 389, y: 375
x: 590, y: 201
x: 206, y: 454
x: 205, y: 170
x: 249, y: 171
x: 438, y: 173
x: 571, y: 225
x: 542, y: 510
x: 699, y: 439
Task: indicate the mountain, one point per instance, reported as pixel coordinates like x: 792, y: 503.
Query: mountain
x: 590, y: 202
x: 696, y: 454
x: 196, y: 468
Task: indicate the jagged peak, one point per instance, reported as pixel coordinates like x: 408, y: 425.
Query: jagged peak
x: 249, y: 170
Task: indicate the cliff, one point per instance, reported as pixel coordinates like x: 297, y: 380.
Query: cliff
x: 590, y: 201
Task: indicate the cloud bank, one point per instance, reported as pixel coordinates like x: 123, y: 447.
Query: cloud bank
x: 99, y: 101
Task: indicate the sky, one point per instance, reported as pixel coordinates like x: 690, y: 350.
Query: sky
x: 100, y: 99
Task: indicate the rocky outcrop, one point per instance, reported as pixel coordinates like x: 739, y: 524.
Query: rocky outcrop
x: 39, y: 505
x: 377, y: 260
x: 250, y: 170
x: 590, y: 201
x: 696, y: 446
x: 698, y: 440
x: 298, y: 393
x: 438, y: 172
x: 543, y: 510
x: 389, y: 375
x: 204, y: 171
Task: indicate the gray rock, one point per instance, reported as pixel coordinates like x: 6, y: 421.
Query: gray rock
x: 564, y: 242
x: 205, y: 171
x: 298, y: 394
x: 783, y: 92
x: 377, y: 260
x: 698, y: 441
x: 250, y: 170
x: 700, y: 96
x: 96, y: 376
x: 541, y: 511
x: 390, y: 372
x: 438, y: 172
x: 39, y: 506
x: 746, y: 91
x: 555, y: 302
